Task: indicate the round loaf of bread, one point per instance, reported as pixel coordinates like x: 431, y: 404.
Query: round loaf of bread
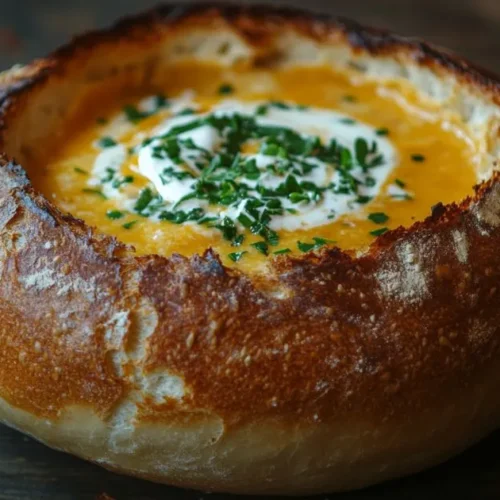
x: 330, y: 371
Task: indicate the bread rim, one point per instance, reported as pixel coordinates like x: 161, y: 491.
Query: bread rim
x: 336, y: 371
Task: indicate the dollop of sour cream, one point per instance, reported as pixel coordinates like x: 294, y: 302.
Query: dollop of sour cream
x: 299, y: 186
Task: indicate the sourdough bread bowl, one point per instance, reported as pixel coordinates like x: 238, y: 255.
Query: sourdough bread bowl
x: 323, y: 371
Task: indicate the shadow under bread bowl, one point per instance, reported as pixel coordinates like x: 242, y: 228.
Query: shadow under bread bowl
x: 314, y: 370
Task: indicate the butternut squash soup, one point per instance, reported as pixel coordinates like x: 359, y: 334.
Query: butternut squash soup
x: 258, y: 163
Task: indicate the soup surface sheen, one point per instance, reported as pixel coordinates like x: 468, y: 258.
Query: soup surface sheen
x: 257, y: 163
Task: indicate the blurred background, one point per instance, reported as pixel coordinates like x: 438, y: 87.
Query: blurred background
x: 31, y: 28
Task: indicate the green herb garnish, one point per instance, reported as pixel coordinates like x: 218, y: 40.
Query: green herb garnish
x: 79, y: 170
x: 228, y: 179
x: 282, y: 251
x: 133, y: 114
x: 161, y: 101
x: 363, y: 200
x: 350, y: 98
x: 382, y: 132
x: 236, y: 256
x: 128, y: 179
x: 378, y: 232
x: 262, y: 110
x: 106, y: 142
x: 145, y: 198
x: 130, y: 224
x: 378, y: 217
x: 97, y: 192
x: 261, y: 246
x: 305, y: 247
x: 238, y: 240
x: 226, y: 89
x: 317, y: 243
x: 186, y: 112
x: 418, y: 158
x: 114, y: 214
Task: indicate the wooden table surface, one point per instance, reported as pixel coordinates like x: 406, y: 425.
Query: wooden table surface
x: 30, y: 28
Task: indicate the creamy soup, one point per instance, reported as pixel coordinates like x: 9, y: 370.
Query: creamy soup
x: 258, y: 163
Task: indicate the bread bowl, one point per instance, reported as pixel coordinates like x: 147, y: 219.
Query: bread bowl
x: 297, y: 373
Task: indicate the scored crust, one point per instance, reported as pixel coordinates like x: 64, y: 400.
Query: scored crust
x: 333, y: 371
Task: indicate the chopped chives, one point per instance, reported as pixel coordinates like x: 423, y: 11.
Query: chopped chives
x: 418, y: 158
x: 378, y: 232
x: 226, y: 89
x: 378, y: 217
x: 236, y: 256
x: 106, y: 142
x: 114, y: 214
x: 97, y: 192
x: 130, y: 224
x: 381, y: 132
x: 282, y: 251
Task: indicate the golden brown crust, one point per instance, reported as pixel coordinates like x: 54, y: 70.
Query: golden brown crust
x: 402, y: 329
x: 51, y: 340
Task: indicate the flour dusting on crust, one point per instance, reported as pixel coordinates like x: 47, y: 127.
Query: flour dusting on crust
x: 404, y: 280
x: 461, y: 245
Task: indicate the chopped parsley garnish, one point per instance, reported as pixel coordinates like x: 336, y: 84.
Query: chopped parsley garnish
x: 400, y: 183
x: 224, y: 175
x: 418, y: 158
x: 180, y: 216
x: 114, y: 214
x: 228, y: 228
x: 128, y: 179
x: 226, y: 89
x: 133, y: 114
x: 370, y: 182
x: 282, y: 251
x: 97, y: 192
x: 317, y: 243
x: 161, y: 101
x: 378, y: 217
x: 347, y: 121
x: 363, y: 200
x: 263, y: 109
x: 279, y: 105
x: 350, y: 98
x: 382, y: 132
x: 101, y: 120
x: 106, y: 142
x: 305, y: 247
x: 236, y: 256
x: 79, y: 170
x: 145, y: 198
x: 261, y: 246
x: 378, y: 232
x: 185, y: 112
x: 130, y: 224
x: 238, y: 240
x: 110, y: 173
x: 232, y: 186
x: 362, y: 150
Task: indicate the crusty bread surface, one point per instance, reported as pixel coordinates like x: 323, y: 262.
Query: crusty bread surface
x: 332, y: 371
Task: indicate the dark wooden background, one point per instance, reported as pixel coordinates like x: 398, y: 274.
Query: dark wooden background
x: 30, y: 28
